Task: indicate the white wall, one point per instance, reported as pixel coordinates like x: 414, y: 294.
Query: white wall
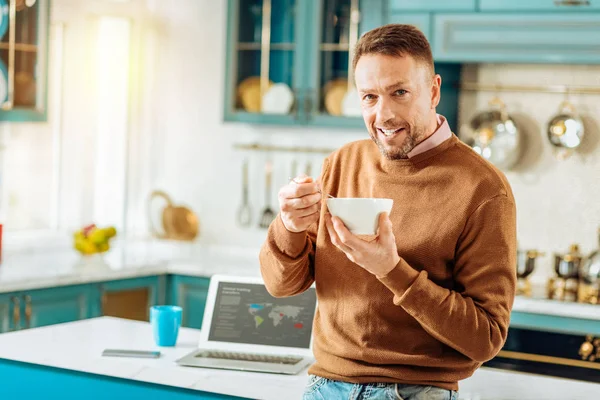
x: 186, y: 149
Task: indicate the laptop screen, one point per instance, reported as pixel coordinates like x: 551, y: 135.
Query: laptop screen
x: 247, y: 313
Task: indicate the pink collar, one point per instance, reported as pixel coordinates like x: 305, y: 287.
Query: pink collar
x: 442, y: 133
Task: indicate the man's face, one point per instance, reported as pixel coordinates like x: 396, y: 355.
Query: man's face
x: 398, y: 95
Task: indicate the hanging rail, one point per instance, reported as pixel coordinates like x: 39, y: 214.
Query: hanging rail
x: 560, y: 89
x: 293, y: 149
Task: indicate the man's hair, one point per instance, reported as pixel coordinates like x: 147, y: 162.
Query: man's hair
x: 395, y: 40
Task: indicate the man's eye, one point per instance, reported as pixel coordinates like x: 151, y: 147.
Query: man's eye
x: 368, y: 97
x: 400, y: 92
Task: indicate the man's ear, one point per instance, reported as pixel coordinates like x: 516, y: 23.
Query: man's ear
x: 436, y: 87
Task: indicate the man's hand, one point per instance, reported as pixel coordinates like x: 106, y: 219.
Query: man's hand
x: 300, y: 204
x: 378, y: 257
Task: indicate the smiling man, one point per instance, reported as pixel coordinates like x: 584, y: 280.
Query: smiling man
x: 420, y: 307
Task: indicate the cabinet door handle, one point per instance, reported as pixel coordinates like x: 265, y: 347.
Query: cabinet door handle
x: 571, y: 3
x: 16, y: 313
x: 28, y: 311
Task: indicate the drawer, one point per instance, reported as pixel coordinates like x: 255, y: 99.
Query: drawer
x: 432, y: 5
x: 539, y: 5
x: 500, y: 37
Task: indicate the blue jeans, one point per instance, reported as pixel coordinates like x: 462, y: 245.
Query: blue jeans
x: 319, y: 388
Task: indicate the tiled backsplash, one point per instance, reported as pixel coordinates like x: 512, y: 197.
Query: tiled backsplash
x: 192, y: 156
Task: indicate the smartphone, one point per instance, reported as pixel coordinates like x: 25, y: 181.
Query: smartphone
x: 130, y: 353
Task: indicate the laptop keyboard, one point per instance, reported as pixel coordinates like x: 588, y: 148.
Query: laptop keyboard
x: 266, y: 358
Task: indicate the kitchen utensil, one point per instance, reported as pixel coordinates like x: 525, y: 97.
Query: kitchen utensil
x: 565, y: 130
x: 294, y: 169
x: 278, y: 99
x: 308, y: 168
x: 494, y: 135
x: 268, y: 215
x: 526, y: 262
x: 328, y: 195
x: 589, y: 286
x: 590, y: 269
x: 567, y: 265
x: 244, y: 215
x: 179, y: 223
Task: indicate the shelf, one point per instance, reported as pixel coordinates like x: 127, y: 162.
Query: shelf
x: 273, y: 46
x: 20, y: 47
x: 334, y: 47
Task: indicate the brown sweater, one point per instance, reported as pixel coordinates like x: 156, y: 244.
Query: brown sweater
x: 454, y: 221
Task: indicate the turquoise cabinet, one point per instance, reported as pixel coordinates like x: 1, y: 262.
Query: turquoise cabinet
x: 7, y: 310
x: 539, y: 5
x: 54, y: 306
x: 24, y: 60
x: 129, y: 298
x: 285, y: 56
x: 500, y: 37
x: 34, y: 308
x: 553, y: 323
x: 432, y: 5
x: 189, y: 293
x: 420, y: 20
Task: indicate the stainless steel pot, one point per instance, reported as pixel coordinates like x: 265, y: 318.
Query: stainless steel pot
x: 590, y: 269
x: 494, y: 135
x: 526, y: 262
x: 565, y: 130
x: 567, y: 265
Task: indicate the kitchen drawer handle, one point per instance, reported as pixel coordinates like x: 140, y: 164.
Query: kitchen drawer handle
x: 16, y: 313
x: 571, y: 3
x: 28, y: 311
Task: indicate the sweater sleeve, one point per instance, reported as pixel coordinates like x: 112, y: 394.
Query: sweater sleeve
x: 474, y: 317
x: 287, y: 258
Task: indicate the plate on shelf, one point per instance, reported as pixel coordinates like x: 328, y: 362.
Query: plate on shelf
x: 249, y: 94
x: 3, y: 17
x: 334, y: 92
x: 351, y: 104
x: 278, y: 99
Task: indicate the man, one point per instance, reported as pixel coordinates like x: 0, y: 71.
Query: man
x: 420, y: 307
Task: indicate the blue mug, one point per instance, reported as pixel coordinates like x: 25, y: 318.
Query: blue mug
x: 165, y: 321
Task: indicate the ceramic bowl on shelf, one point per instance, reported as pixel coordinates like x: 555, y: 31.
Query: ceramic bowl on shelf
x: 278, y: 99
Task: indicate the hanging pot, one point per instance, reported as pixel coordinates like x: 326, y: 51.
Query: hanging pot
x: 495, y: 136
x: 565, y: 130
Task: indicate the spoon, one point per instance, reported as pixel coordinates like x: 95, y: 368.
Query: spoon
x: 293, y: 180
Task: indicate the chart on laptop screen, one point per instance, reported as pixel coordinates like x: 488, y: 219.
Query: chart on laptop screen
x: 247, y: 313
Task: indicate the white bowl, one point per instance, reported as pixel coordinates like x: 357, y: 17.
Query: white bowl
x: 360, y: 215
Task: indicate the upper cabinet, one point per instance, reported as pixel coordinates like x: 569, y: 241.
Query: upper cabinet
x: 23, y: 59
x: 432, y: 5
x: 502, y: 37
x: 506, y: 31
x: 289, y: 61
x: 539, y: 5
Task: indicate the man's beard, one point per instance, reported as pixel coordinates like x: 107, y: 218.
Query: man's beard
x: 411, y: 140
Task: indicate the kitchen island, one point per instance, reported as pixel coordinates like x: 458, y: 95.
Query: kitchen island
x: 65, y: 361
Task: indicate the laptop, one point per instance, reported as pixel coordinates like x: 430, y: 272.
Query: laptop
x: 245, y: 328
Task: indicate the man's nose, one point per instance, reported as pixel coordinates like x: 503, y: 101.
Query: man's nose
x: 384, y: 110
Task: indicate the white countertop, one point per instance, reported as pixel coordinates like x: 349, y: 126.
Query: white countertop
x: 78, y: 346
x: 21, y: 272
